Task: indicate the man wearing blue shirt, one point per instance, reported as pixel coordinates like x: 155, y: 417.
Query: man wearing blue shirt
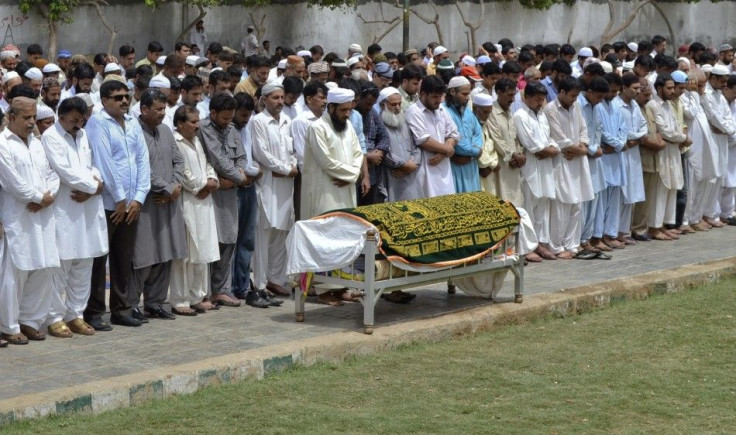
x: 120, y: 153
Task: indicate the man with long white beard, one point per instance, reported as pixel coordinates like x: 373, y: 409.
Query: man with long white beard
x: 405, y: 157
x: 332, y: 164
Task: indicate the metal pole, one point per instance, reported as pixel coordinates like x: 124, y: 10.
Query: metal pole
x: 406, y: 25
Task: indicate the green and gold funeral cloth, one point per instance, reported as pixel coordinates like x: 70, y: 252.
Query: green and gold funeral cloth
x: 441, y: 231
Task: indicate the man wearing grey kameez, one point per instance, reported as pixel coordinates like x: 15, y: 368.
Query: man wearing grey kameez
x: 402, y: 163
x: 225, y: 152
x: 161, y: 236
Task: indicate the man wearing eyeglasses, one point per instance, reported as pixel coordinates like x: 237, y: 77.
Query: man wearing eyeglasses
x: 120, y: 153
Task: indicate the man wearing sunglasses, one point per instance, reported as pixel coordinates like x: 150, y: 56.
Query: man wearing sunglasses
x: 120, y: 153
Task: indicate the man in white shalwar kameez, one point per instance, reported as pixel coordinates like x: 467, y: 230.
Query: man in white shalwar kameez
x: 727, y: 200
x: 190, y: 277
x: 332, y: 164
x: 488, y: 161
x: 81, y: 227
x: 273, y: 150
x: 702, y: 158
x: 538, y: 184
x: 29, y: 187
x: 436, y: 134
x: 722, y: 125
x: 572, y: 180
x: 636, y: 127
x: 661, y: 206
x: 315, y: 99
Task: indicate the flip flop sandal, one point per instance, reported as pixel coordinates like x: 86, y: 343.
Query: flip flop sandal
x: 184, y: 312
x: 15, y: 338
x: 60, y: 330
x: 198, y: 308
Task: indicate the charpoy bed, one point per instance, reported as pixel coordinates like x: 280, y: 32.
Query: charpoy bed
x: 468, y: 238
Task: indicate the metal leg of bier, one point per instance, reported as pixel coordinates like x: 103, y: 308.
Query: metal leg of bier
x: 299, y: 304
x: 369, y: 297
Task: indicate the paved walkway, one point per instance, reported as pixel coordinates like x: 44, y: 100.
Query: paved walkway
x: 57, y: 363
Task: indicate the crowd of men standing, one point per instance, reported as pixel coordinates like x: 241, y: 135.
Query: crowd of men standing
x: 177, y: 175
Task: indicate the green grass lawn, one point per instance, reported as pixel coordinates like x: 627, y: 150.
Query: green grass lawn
x: 664, y: 365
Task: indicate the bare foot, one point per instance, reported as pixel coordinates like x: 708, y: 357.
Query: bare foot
x: 533, y: 257
x: 329, y: 299
x: 565, y: 255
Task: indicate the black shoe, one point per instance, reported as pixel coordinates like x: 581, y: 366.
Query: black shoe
x: 124, y: 320
x: 586, y: 255
x: 272, y: 301
x: 136, y: 314
x: 98, y: 324
x: 240, y: 296
x: 159, y: 313
x: 731, y: 221
x: 254, y: 299
x: 603, y: 255
x: 642, y: 237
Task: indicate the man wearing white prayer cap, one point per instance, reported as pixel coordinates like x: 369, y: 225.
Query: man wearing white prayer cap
x: 33, y: 78
x: 577, y: 67
x: 355, y: 62
x: 722, y: 124
x: 488, y: 160
x: 112, y: 68
x: 304, y: 53
x: 159, y: 82
x: 273, y: 150
x: 354, y: 49
x: 402, y: 177
x: 438, y: 55
x: 51, y: 70
x: 332, y: 165
x: 10, y: 80
x: 464, y: 163
x: 45, y: 118
x: 9, y: 60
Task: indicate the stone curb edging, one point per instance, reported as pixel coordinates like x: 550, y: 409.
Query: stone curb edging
x: 137, y: 388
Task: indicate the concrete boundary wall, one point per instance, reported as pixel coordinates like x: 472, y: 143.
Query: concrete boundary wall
x: 293, y: 24
x: 138, y: 388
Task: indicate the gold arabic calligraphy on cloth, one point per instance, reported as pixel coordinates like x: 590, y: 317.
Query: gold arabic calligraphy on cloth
x: 444, y: 229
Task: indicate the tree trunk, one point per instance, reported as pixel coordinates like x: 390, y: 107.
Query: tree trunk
x: 53, y: 38
x: 608, y: 33
x: 572, y: 23
x: 112, y: 29
x: 673, y: 44
x: 392, y: 25
x: 182, y: 36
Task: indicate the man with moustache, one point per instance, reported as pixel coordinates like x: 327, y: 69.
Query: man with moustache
x: 257, y: 76
x: 161, y: 236
x: 81, y: 229
x: 29, y: 188
x: 273, y: 150
x: 120, y: 153
x: 50, y: 93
